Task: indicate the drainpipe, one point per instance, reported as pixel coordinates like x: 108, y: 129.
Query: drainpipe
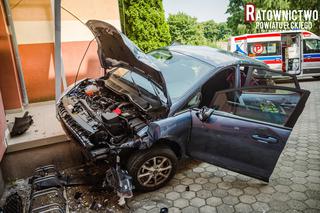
x: 25, y: 100
x: 57, y: 48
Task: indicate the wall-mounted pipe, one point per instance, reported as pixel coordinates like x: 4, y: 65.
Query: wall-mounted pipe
x: 57, y: 48
x: 14, y: 43
x: 63, y: 76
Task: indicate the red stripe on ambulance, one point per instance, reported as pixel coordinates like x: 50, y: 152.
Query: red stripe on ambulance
x: 311, y: 59
x: 272, y: 62
x: 258, y: 36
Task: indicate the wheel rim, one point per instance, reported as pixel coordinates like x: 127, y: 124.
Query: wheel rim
x: 154, y: 171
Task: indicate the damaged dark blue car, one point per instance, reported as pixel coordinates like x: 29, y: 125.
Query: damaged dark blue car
x: 148, y: 111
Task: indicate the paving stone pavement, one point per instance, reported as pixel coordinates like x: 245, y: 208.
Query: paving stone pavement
x: 293, y: 187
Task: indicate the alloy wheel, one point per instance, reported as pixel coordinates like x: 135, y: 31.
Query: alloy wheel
x: 154, y: 171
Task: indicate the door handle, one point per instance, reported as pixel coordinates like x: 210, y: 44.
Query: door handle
x: 267, y: 139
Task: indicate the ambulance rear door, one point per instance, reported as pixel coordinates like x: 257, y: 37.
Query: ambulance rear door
x: 291, y: 52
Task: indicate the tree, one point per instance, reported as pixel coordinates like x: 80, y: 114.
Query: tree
x: 224, y: 31
x: 144, y: 23
x: 310, y: 5
x: 236, y: 19
x: 184, y: 28
x: 236, y: 10
x: 210, y: 30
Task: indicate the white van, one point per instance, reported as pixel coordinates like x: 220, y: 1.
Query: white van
x: 295, y: 52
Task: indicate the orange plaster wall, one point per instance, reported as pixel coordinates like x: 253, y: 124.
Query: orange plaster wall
x: 38, y: 66
x: 9, y: 81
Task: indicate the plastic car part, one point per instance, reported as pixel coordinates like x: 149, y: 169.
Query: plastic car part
x: 21, y: 124
x: 45, y: 170
x: 51, y: 200
x: 91, y: 89
x: 47, y: 191
x: 13, y: 204
x: 120, y: 181
x: 164, y: 210
x: 47, y: 182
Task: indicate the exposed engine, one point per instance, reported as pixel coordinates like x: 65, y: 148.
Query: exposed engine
x: 107, y: 117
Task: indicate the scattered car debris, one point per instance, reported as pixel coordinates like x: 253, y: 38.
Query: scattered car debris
x: 120, y: 181
x: 21, y: 124
x: 94, y: 198
x: 77, y: 195
x: 47, y: 191
x: 164, y: 210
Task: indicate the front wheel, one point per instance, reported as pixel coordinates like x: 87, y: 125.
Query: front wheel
x: 151, y: 169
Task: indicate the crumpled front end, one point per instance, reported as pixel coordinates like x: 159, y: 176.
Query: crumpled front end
x: 99, y: 119
x: 103, y: 123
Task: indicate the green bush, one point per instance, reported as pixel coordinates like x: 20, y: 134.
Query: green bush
x: 144, y: 23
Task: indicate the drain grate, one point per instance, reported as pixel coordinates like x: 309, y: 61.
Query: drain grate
x: 13, y: 204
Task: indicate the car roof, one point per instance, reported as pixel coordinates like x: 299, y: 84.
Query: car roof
x: 213, y: 56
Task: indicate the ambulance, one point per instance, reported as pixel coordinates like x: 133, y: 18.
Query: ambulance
x: 295, y: 52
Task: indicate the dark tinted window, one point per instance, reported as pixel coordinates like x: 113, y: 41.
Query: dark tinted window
x: 311, y: 46
x: 262, y: 77
x: 269, y: 48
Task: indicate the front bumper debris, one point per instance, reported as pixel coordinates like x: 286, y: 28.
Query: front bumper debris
x: 121, y: 182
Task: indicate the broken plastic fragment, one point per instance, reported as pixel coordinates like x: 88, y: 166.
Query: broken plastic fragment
x: 21, y: 124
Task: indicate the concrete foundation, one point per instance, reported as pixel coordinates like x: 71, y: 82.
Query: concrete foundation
x: 21, y: 164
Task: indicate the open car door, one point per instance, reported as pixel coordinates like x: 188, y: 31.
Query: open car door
x: 246, y: 129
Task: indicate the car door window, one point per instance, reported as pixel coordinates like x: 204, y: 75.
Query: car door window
x: 256, y: 76
x: 266, y: 104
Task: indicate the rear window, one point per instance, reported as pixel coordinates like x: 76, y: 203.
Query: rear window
x: 269, y: 48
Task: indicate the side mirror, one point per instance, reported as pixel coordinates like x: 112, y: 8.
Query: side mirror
x: 205, y: 113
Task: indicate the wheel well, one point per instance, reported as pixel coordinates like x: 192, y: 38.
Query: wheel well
x: 174, y: 146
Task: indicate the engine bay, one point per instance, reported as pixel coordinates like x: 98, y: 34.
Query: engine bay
x: 107, y: 117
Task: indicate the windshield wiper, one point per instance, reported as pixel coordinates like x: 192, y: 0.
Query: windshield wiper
x: 135, y: 85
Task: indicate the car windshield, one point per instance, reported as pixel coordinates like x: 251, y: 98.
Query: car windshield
x: 137, y: 80
x: 179, y: 71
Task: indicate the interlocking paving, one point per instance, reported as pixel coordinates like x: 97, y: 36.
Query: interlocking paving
x: 293, y: 187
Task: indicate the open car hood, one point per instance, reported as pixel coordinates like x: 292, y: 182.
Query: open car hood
x: 116, y: 50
